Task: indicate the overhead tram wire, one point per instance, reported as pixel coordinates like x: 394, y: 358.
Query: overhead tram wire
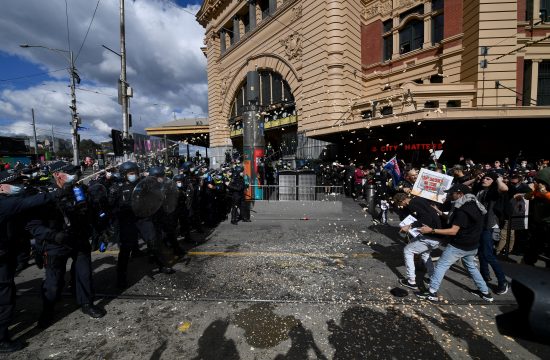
x: 519, y: 48
x: 87, y: 31
x: 31, y: 75
x: 67, y: 22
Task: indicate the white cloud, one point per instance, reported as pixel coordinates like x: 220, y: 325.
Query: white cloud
x: 165, y: 65
x: 101, y: 126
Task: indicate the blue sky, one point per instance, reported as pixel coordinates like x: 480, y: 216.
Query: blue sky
x: 165, y: 65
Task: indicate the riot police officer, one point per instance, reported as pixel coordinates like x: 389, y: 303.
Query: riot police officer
x: 12, y: 206
x: 236, y: 188
x: 130, y: 226
x: 184, y: 211
x: 163, y: 220
x: 62, y: 231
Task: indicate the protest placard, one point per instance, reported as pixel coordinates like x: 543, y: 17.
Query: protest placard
x: 431, y: 185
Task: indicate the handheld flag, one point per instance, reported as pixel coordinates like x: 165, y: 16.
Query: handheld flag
x: 392, y: 167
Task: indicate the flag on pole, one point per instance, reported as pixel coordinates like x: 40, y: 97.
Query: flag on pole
x: 393, y: 168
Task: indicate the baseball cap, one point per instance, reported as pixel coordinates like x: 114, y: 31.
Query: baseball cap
x: 459, y: 188
x: 63, y: 167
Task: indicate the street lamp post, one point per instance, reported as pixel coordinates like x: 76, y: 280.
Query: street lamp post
x: 75, y: 120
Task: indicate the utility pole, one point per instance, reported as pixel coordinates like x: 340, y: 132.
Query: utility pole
x: 35, y: 140
x: 53, y: 142
x: 165, y: 150
x: 123, y: 84
x: 74, y: 115
x: 75, y: 120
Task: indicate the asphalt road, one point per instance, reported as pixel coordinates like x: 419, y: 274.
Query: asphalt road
x: 301, y: 281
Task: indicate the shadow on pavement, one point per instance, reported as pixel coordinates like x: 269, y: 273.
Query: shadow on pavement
x: 364, y: 333
x: 478, y: 346
x: 213, y: 345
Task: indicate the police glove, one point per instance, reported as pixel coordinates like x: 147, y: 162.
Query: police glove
x: 61, y: 238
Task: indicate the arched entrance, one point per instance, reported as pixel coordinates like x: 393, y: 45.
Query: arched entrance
x: 278, y: 109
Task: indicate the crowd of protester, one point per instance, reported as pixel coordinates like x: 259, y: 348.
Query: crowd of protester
x: 483, y: 218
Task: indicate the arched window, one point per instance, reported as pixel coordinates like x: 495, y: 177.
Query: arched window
x: 411, y: 36
x: 275, y: 95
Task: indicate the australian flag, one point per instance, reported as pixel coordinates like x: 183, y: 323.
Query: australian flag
x: 393, y: 168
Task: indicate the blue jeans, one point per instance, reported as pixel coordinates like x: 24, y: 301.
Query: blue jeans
x: 449, y: 257
x: 487, y: 257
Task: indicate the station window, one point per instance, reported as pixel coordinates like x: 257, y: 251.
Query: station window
x: 387, y: 40
x: 246, y: 22
x: 411, y: 36
x: 264, y: 8
x: 366, y: 114
x: 386, y: 110
x: 436, y: 79
x: 543, y: 95
x: 432, y: 104
x: 437, y: 28
x: 454, y: 103
x: 437, y: 5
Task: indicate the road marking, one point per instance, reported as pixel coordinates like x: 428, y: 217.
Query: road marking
x: 266, y: 254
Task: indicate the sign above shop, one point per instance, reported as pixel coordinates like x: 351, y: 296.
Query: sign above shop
x: 407, y: 147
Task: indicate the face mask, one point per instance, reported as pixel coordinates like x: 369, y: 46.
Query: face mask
x: 242, y: 174
x: 178, y: 184
x: 132, y: 178
x: 70, y: 179
x: 108, y: 175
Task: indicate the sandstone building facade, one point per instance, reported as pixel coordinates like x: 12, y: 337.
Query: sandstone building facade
x: 354, y: 72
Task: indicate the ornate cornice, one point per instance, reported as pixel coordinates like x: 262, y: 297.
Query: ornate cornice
x: 207, y: 9
x: 382, y: 7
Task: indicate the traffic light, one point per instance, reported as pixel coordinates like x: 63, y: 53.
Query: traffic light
x: 118, y: 146
x: 128, y: 144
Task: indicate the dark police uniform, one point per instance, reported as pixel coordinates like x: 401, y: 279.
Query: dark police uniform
x: 236, y: 189
x: 10, y: 208
x: 62, y: 231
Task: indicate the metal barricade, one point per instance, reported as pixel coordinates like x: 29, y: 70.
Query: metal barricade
x: 297, y: 192
x: 287, y: 185
x: 306, y: 185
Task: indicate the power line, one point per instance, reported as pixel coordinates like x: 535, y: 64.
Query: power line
x: 519, y: 48
x: 32, y: 75
x: 87, y: 31
x: 67, y: 21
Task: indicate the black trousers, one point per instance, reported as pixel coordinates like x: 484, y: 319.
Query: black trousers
x: 129, y: 232
x: 7, y: 293
x: 55, y: 264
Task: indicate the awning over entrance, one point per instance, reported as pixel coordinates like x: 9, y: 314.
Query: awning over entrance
x: 193, y: 131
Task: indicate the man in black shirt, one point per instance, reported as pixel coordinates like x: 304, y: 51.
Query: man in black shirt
x: 466, y: 224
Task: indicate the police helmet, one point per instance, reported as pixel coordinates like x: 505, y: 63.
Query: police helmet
x: 128, y: 166
x: 186, y: 166
x: 157, y: 171
x: 179, y: 177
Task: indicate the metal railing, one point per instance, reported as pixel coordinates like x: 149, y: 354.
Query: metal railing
x: 296, y: 192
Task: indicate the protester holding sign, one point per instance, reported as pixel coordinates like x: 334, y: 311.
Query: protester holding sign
x: 431, y: 185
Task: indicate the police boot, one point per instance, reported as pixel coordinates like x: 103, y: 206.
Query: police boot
x: 234, y: 216
x: 122, y: 280
x: 46, y: 318
x: 93, y: 311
